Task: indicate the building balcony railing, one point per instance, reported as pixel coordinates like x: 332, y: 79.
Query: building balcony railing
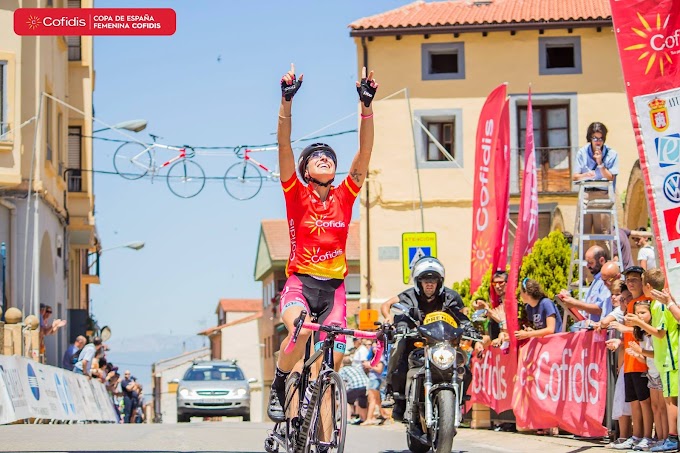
x: 554, y: 169
x: 74, y: 180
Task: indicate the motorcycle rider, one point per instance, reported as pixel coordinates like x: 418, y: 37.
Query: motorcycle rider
x: 427, y: 295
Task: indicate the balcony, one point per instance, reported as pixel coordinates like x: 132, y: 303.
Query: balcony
x: 554, y: 168
x: 80, y: 206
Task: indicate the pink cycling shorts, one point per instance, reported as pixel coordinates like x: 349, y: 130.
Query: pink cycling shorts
x: 322, y: 299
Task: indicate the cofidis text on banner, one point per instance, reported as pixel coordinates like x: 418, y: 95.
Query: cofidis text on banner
x: 94, y: 21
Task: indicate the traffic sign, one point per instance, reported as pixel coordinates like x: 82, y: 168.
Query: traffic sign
x: 415, y: 246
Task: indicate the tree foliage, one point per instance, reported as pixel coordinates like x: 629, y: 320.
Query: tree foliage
x: 548, y: 263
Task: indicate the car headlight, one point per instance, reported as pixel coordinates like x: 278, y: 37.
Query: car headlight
x: 184, y: 392
x: 241, y: 392
x: 442, y: 355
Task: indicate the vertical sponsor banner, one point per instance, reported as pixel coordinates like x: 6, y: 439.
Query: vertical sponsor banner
x: 648, y: 37
x: 502, y: 182
x: 562, y: 381
x: 484, y: 207
x: 493, y: 379
x: 527, y: 224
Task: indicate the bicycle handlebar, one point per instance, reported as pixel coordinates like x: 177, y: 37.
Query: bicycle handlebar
x: 337, y: 330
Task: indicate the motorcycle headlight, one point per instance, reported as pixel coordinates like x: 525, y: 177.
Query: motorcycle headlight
x: 443, y: 356
x: 241, y: 392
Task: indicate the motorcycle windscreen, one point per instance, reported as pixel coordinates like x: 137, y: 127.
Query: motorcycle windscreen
x: 440, y: 331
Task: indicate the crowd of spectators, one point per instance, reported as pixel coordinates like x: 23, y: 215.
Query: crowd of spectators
x: 89, y: 359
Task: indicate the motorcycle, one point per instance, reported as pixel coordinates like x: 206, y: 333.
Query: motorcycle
x: 434, y: 381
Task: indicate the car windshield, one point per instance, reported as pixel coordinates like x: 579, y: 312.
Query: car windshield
x: 214, y: 373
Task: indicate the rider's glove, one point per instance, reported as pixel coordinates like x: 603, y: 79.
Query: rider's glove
x: 366, y: 92
x: 288, y: 91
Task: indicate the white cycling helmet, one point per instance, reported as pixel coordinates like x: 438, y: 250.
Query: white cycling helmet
x: 428, y: 267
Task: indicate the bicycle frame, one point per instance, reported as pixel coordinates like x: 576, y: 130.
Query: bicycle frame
x: 248, y: 158
x: 281, y: 437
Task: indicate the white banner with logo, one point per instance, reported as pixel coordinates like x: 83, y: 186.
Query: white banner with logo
x: 32, y: 390
x: 659, y: 117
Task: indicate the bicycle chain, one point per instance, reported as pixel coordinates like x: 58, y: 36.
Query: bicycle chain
x: 303, y: 434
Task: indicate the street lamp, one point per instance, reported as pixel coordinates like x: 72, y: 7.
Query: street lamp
x: 136, y: 245
x: 131, y: 125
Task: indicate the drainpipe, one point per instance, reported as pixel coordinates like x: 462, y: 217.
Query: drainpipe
x: 368, y: 206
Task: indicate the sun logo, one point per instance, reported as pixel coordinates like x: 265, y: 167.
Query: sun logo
x: 308, y: 254
x: 33, y: 22
x: 481, y: 255
x: 315, y: 226
x: 525, y: 374
x: 654, y: 48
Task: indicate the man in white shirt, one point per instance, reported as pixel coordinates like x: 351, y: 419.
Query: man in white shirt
x: 86, y: 356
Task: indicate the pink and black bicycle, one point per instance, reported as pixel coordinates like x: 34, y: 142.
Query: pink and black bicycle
x: 316, y: 409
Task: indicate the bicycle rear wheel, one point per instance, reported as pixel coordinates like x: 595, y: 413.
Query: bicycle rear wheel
x: 132, y: 160
x: 243, y: 180
x: 185, y: 178
x: 329, y: 419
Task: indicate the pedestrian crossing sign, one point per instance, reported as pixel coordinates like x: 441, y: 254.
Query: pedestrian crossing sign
x: 415, y: 246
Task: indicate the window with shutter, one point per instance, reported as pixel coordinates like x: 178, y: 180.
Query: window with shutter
x: 73, y: 159
x: 73, y: 42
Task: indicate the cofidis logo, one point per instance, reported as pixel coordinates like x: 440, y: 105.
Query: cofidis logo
x: 656, y: 43
x: 94, y: 21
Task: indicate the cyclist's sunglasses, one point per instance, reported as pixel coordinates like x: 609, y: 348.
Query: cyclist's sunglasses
x: 318, y: 154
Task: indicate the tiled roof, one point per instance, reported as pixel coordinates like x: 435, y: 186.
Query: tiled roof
x: 239, y: 305
x: 470, y: 13
x: 278, y: 241
x: 212, y: 330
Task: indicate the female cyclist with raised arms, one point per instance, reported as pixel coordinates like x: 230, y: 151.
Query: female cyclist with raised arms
x: 319, y: 215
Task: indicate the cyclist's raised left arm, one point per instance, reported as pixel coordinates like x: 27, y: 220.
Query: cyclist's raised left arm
x: 289, y: 86
x: 366, y: 88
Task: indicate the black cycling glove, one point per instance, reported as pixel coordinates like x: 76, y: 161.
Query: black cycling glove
x: 366, y: 92
x: 288, y: 91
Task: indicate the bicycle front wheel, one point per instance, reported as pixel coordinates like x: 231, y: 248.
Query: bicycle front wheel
x: 132, y: 160
x: 185, y: 178
x: 329, y: 420
x: 243, y: 180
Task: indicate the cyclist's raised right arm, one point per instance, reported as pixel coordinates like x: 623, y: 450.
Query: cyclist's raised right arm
x: 289, y: 86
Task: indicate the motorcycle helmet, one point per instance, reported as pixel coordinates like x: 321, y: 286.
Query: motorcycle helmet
x: 303, y: 160
x: 428, y: 267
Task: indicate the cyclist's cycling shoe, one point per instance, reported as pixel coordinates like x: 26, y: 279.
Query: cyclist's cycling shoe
x: 275, y: 409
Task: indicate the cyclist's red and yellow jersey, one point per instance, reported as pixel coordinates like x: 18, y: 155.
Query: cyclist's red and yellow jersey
x: 318, y: 229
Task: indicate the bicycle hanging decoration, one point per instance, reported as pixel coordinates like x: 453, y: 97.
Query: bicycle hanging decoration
x: 185, y: 178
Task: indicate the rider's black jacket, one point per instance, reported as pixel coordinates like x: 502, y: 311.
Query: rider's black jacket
x: 449, y: 301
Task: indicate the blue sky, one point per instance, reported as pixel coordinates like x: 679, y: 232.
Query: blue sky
x: 203, y: 249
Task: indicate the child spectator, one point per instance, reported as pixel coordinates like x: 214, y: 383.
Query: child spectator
x: 543, y: 317
x: 665, y: 336
x: 634, y: 372
x: 644, y: 352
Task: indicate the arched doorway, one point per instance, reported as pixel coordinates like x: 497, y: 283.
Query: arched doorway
x: 636, y: 210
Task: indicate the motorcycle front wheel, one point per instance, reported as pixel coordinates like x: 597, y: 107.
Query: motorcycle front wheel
x: 443, y: 431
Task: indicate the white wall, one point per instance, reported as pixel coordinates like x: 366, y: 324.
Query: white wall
x: 242, y: 342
